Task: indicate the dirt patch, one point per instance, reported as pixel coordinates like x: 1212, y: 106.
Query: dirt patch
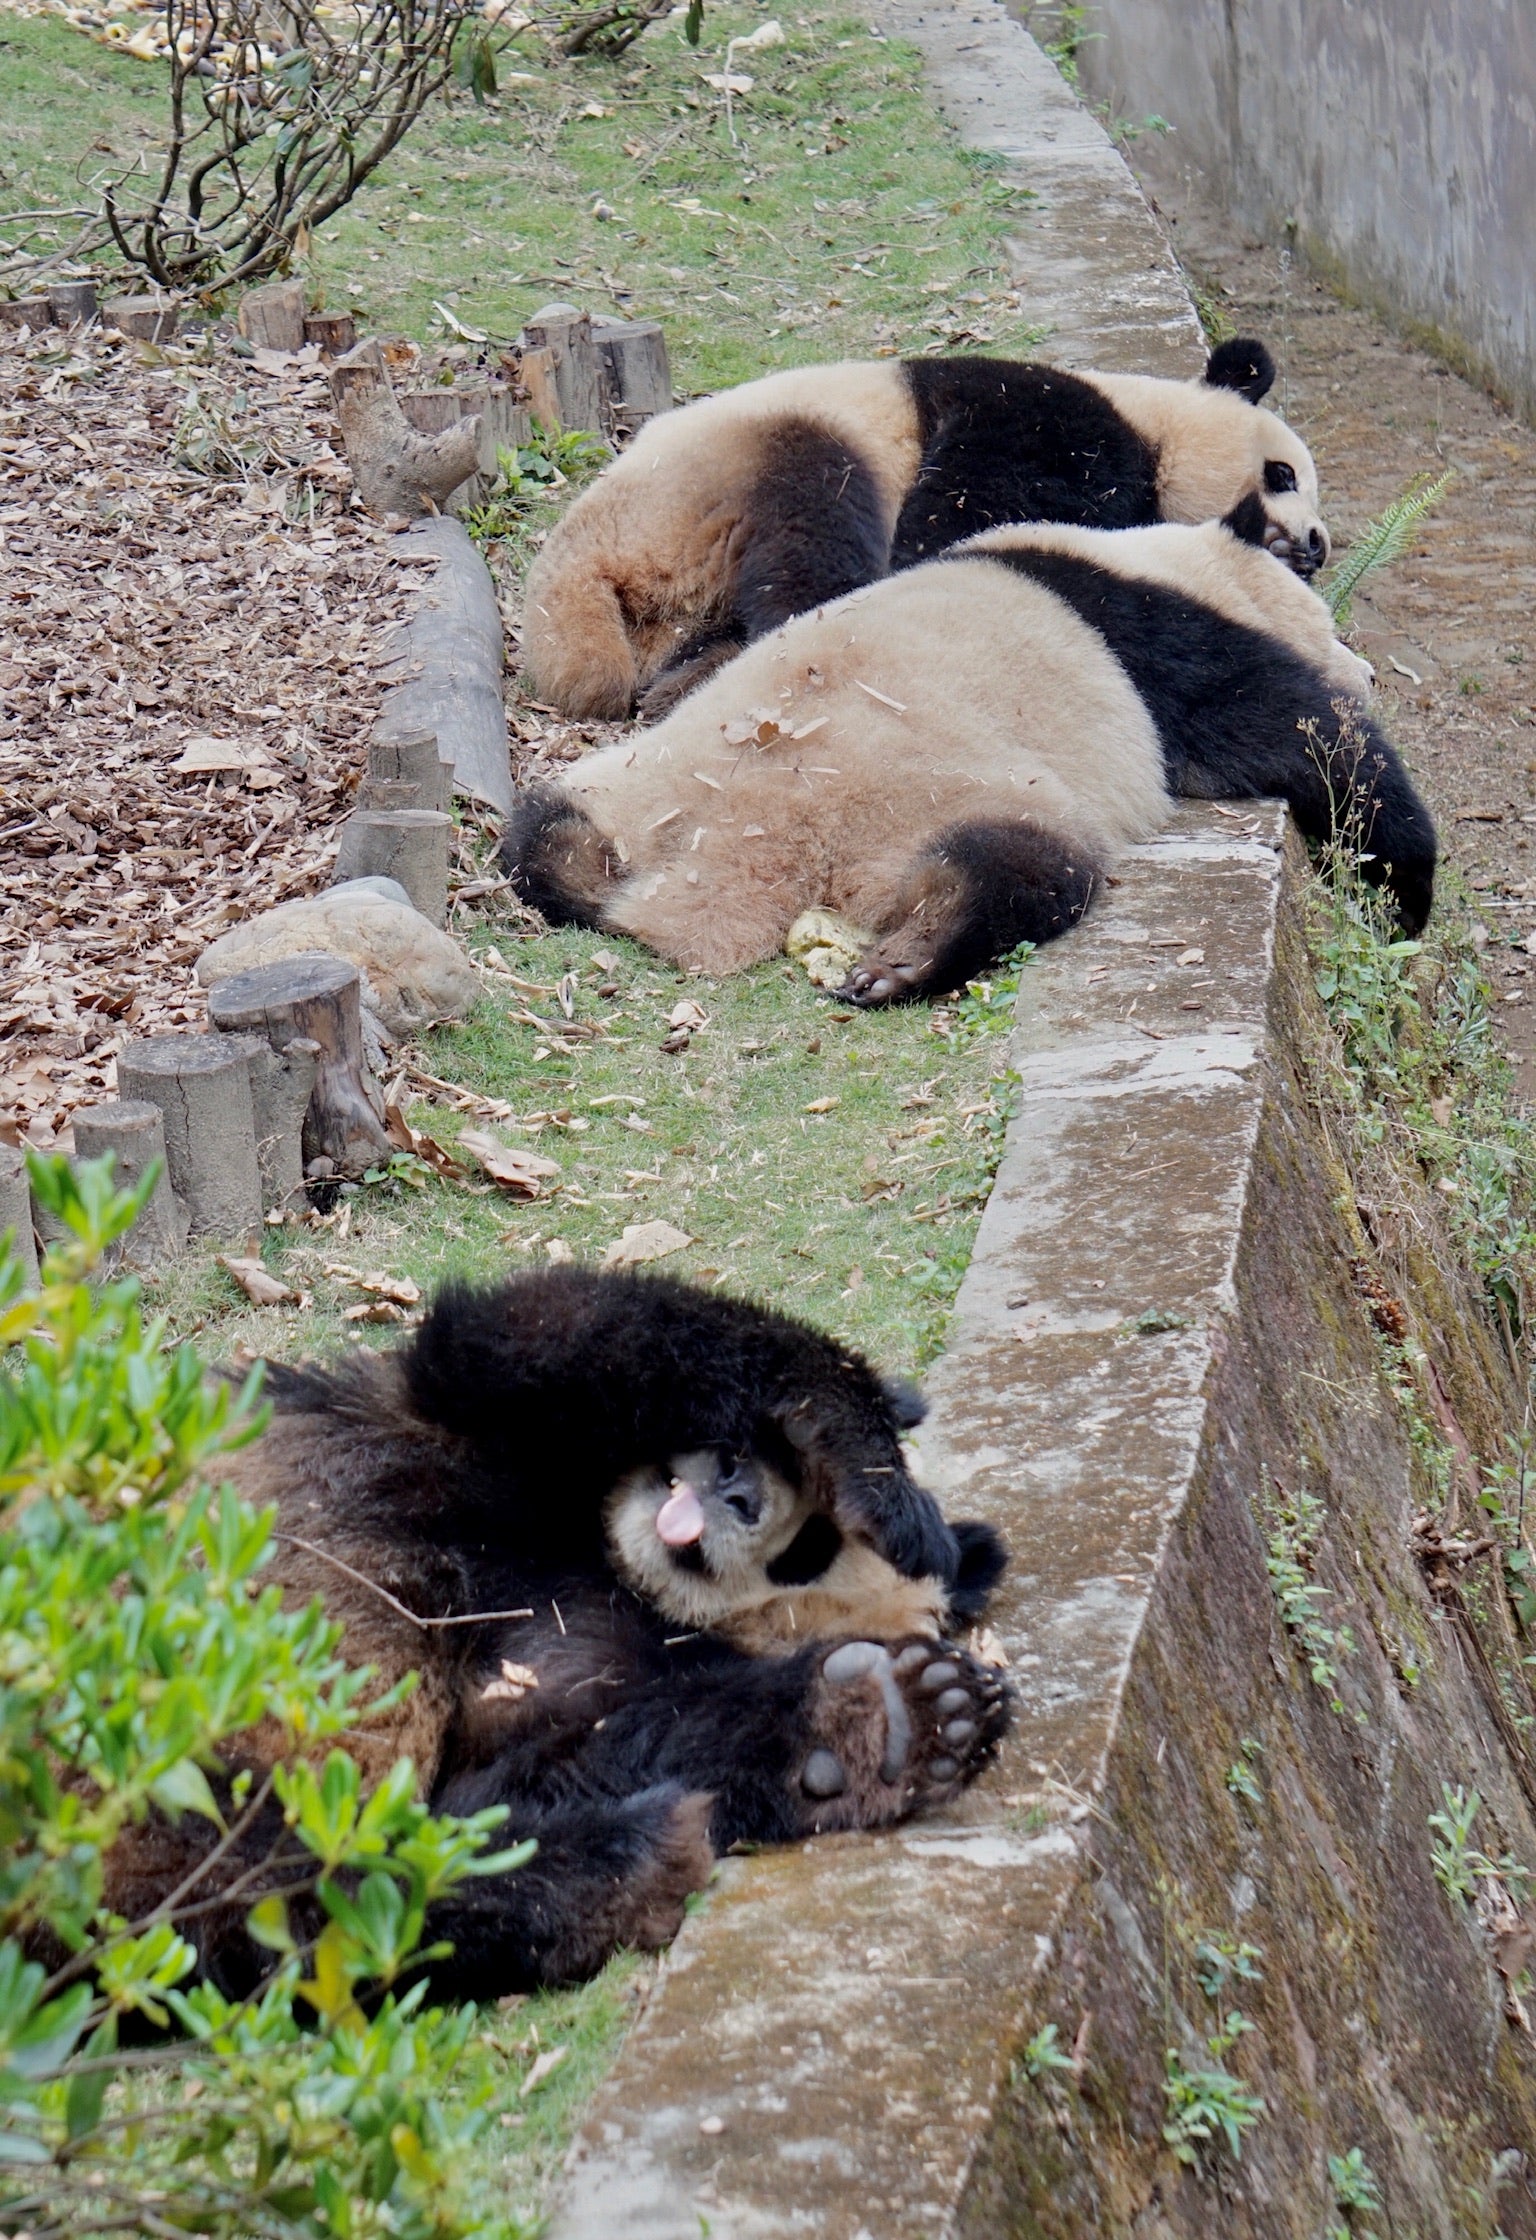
x: 185, y: 586
x: 1451, y: 627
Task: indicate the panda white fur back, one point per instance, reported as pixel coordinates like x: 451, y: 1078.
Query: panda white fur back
x: 952, y: 756
x: 728, y: 516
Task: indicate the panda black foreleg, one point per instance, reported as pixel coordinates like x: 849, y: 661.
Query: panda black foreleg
x: 694, y: 661
x: 974, y: 893
x: 607, y: 1873
x: 850, y: 1734
x: 813, y: 527
x: 1345, y: 785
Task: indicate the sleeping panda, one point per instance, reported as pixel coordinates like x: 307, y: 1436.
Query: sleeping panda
x: 951, y: 757
x: 620, y: 1475
x: 725, y: 518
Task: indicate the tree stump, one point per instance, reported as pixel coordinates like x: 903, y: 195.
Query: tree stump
x: 567, y: 333
x: 72, y: 302
x: 314, y: 999
x: 412, y: 759
x: 30, y: 312
x: 135, y: 1135
x: 282, y: 1083
x: 537, y: 375
x: 273, y: 318
x: 202, y: 1087
x: 638, y: 371
x: 396, y: 470
x: 333, y: 333
x: 141, y: 318
x: 410, y: 845
x: 16, y: 1212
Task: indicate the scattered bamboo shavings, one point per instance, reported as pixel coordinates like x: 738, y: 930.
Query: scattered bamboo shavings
x: 883, y: 697
x: 510, y: 1167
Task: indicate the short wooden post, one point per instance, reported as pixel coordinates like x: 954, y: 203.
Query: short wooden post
x: 273, y: 318
x: 16, y: 1212
x: 30, y: 312
x: 537, y: 374
x: 637, y: 369
x: 578, y: 373
x: 334, y: 333
x: 314, y: 999
x: 282, y: 1082
x: 72, y: 303
x: 410, y: 845
x: 202, y: 1087
x: 412, y: 759
x: 141, y: 318
x: 135, y: 1136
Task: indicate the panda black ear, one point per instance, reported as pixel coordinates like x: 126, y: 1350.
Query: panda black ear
x: 907, y: 1405
x: 1243, y: 365
x: 983, y: 1560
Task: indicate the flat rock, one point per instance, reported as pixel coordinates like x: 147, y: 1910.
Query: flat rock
x: 412, y: 972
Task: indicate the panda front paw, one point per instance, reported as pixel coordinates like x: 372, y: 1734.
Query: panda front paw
x: 897, y: 1726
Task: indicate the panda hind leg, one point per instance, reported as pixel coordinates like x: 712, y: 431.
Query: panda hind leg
x: 813, y: 528
x: 975, y: 892
x: 558, y: 860
x: 692, y: 665
x: 606, y: 1875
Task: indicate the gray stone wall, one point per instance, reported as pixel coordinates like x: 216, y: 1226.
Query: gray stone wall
x: 1397, y: 138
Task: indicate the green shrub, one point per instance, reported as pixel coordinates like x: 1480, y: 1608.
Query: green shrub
x: 135, y: 1640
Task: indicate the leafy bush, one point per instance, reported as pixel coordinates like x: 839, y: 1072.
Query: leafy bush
x: 135, y: 1640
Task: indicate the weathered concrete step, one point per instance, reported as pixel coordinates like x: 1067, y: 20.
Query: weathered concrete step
x: 1092, y: 262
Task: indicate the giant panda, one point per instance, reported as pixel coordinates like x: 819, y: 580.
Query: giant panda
x: 627, y: 1475
x: 728, y: 516
x: 952, y: 756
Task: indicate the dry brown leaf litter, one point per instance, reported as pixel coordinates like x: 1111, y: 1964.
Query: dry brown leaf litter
x: 147, y: 608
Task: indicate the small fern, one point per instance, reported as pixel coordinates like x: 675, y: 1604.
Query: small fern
x: 1382, y: 542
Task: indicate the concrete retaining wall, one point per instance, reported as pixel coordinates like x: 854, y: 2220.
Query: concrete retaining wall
x: 1395, y: 138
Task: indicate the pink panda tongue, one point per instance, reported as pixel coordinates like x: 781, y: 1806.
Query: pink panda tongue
x: 680, y: 1520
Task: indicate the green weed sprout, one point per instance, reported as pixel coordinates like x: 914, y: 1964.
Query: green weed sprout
x: 1381, y: 543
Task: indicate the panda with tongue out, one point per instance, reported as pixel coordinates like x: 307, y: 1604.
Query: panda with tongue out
x: 714, y: 1604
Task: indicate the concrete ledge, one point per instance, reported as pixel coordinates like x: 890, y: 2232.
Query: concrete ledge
x: 1160, y: 1327
x: 1091, y: 261
x: 849, y: 2012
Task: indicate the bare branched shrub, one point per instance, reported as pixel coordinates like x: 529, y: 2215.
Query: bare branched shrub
x: 279, y: 111
x: 609, y: 26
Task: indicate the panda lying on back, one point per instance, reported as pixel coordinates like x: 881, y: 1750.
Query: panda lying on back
x: 727, y: 517
x: 951, y: 757
x: 665, y: 1482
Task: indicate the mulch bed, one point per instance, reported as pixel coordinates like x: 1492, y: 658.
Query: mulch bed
x: 185, y: 582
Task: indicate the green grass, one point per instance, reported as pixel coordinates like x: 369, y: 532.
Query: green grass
x: 860, y: 1215
x: 846, y: 221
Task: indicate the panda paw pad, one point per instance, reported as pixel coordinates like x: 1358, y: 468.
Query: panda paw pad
x: 896, y: 1727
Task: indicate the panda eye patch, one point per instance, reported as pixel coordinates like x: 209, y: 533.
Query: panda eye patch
x: 1278, y: 475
